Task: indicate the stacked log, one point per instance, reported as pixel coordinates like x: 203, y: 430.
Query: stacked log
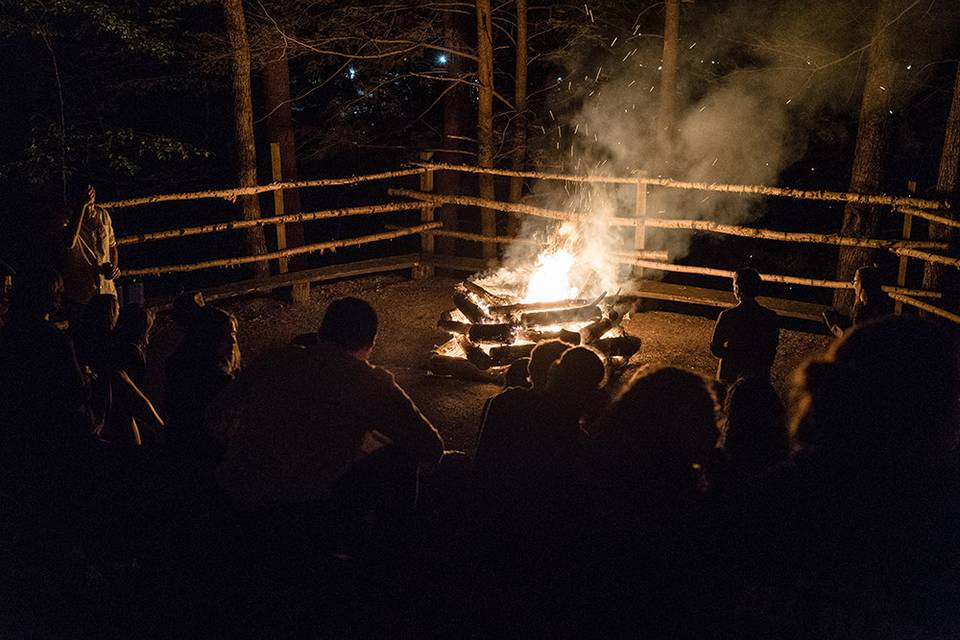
x: 493, y: 332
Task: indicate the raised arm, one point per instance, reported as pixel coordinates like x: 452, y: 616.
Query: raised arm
x: 72, y: 230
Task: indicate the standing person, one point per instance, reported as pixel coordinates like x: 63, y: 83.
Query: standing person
x: 90, y: 265
x: 745, y: 337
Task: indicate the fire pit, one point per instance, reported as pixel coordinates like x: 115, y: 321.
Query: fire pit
x: 499, y: 317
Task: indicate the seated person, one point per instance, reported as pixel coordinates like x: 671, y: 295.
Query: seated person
x: 745, y: 337
x: 331, y: 416
x: 869, y: 302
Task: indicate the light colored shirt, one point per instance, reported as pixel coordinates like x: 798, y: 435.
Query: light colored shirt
x: 82, y: 275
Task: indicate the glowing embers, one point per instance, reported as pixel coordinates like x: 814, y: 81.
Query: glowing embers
x: 500, y: 321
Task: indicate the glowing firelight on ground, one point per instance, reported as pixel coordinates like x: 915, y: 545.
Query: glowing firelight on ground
x: 550, y: 279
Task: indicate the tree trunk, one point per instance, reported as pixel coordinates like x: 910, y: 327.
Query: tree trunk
x: 872, y: 140
x: 488, y: 217
x: 243, y: 129
x: 666, y: 113
x: 519, y: 155
x: 457, y: 123
x: 936, y: 276
x: 276, y: 89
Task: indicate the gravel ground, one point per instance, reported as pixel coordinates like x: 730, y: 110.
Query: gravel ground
x: 408, y: 312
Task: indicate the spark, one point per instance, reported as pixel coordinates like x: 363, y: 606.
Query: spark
x: 614, y: 41
x: 442, y: 59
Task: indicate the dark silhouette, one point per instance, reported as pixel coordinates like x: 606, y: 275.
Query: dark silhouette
x: 645, y: 487
x: 204, y: 365
x: 332, y: 418
x: 518, y: 374
x: 745, y: 337
x: 507, y: 416
x: 857, y: 533
x: 131, y: 337
x: 43, y: 393
x: 754, y: 431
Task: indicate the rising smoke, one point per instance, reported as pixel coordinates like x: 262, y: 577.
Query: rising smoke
x: 752, y: 82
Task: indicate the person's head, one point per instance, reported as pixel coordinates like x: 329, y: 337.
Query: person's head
x: 754, y: 425
x: 38, y: 293
x: 134, y: 324
x: 542, y: 358
x: 214, y: 340
x: 187, y: 309
x: 664, y: 409
x: 578, y: 373
x: 867, y: 284
x: 103, y: 311
x: 887, y: 387
x: 517, y: 373
x: 746, y: 283
x: 352, y: 324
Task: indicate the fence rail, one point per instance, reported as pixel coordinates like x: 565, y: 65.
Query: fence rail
x: 426, y: 201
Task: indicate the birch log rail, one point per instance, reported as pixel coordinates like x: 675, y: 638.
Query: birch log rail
x: 663, y: 223
x: 929, y: 257
x: 785, y: 192
x: 809, y: 282
x: 292, y: 217
x: 932, y: 217
x: 924, y: 306
x: 231, y: 194
x: 310, y: 248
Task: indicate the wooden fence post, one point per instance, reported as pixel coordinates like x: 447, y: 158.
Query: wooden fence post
x: 425, y: 268
x: 640, y: 231
x: 902, y: 267
x: 300, y: 292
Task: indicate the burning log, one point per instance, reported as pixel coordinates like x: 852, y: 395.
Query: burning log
x: 475, y: 355
x: 622, y: 346
x: 586, y: 313
x: 508, y: 354
x: 524, y: 307
x: 468, y: 307
x: 485, y: 296
x: 452, y: 326
x: 459, y: 368
x: 535, y: 335
x: 595, y: 330
x: 503, y: 333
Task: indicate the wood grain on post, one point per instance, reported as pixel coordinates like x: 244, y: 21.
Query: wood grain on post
x: 425, y: 269
x: 278, y: 210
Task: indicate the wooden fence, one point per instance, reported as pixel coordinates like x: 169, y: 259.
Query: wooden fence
x: 425, y: 200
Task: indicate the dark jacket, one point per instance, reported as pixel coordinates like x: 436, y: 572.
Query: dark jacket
x: 745, y: 339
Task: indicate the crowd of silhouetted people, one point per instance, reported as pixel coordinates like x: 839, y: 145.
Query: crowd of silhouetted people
x: 310, y: 497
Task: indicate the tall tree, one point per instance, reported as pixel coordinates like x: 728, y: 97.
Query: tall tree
x: 519, y: 154
x: 276, y: 93
x: 246, y: 150
x: 488, y: 217
x: 458, y: 120
x: 937, y: 276
x: 666, y: 112
x: 872, y: 141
